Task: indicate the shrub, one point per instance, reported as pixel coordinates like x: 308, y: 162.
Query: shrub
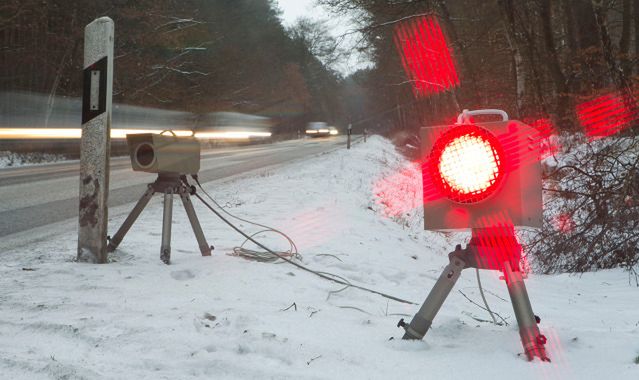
x: 591, y: 208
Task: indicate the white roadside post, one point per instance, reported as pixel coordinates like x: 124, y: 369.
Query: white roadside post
x: 96, y: 140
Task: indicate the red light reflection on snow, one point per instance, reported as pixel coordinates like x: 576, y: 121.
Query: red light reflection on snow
x: 559, y: 368
x: 313, y: 227
x: 425, y: 55
x: 399, y: 193
x: 607, y: 115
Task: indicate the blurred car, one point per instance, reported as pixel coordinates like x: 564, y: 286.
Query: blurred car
x: 217, y: 126
x: 320, y: 129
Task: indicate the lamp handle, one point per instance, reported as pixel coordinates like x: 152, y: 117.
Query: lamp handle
x: 464, y: 117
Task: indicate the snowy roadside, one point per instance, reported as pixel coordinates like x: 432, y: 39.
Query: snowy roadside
x: 13, y: 160
x: 351, y: 213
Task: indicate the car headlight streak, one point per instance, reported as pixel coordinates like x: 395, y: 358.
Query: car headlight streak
x: 76, y: 133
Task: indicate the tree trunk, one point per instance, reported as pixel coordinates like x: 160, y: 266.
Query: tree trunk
x: 552, y: 62
x: 529, y: 47
x: 570, y: 31
x: 624, y: 41
x: 468, y: 67
x: 635, y: 9
x: 586, y: 23
x: 617, y: 76
x: 588, y: 55
x: 507, y: 10
x: 569, y: 26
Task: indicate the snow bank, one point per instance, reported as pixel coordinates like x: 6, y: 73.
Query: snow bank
x: 352, y: 213
x: 11, y: 159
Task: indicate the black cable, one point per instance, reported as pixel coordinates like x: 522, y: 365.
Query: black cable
x: 302, y: 267
x: 249, y: 253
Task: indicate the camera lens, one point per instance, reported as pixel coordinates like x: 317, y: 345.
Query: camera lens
x: 145, y: 155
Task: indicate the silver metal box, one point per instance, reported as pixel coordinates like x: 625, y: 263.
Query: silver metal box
x: 518, y: 198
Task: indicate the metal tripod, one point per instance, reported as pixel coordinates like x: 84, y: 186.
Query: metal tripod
x: 168, y: 184
x: 482, y: 256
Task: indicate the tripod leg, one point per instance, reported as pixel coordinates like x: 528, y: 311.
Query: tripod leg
x: 195, y: 223
x: 532, y: 340
x: 421, y: 322
x: 128, y: 222
x: 165, y: 249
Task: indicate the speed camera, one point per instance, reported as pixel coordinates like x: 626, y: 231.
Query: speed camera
x: 161, y: 153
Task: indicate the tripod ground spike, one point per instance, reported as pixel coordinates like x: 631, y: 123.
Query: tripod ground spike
x: 531, y: 338
x: 473, y: 256
x: 167, y: 221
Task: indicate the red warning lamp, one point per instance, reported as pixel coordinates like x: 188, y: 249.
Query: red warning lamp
x: 484, y: 176
x: 474, y: 171
x: 466, y: 164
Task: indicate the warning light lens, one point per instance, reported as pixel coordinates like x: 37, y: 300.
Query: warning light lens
x: 466, y: 163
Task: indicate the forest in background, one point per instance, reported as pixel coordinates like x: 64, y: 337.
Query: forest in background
x: 190, y: 55
x: 567, y: 66
x: 535, y: 59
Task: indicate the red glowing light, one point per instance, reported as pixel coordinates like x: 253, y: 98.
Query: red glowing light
x: 466, y: 164
x: 608, y: 114
x: 425, y: 55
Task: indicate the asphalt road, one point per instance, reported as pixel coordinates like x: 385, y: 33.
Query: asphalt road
x: 36, y: 196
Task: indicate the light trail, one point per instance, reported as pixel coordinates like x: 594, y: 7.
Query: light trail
x: 76, y: 133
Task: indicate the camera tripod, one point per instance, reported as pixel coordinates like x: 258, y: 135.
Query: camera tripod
x: 168, y: 184
x: 493, y: 253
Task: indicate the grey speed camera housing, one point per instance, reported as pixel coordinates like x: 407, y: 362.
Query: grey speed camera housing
x: 159, y: 153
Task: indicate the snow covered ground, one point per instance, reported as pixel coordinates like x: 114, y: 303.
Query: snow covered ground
x: 11, y: 159
x: 352, y: 213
